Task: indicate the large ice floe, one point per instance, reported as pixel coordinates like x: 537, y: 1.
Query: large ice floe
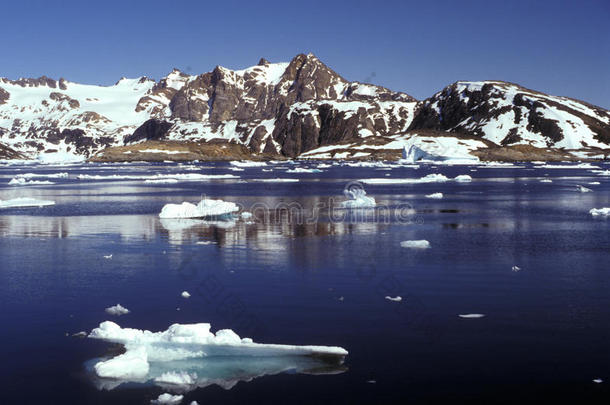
x: 24, y: 203
x: 188, y: 356
x: 205, y: 209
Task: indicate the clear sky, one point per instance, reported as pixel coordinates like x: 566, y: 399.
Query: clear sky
x: 559, y: 47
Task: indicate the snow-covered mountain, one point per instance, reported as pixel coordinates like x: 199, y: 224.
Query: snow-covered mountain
x: 279, y: 109
x: 508, y: 114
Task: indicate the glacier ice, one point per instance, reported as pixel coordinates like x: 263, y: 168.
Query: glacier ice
x: 205, y: 209
x: 188, y: 356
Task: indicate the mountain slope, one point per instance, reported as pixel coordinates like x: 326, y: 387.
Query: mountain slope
x: 508, y: 114
x: 282, y: 109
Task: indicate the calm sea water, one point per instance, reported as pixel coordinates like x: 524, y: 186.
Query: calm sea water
x: 303, y: 271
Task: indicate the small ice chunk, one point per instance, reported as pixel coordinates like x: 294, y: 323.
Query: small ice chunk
x: 246, y: 215
x: 415, y: 244
x: 600, y: 212
x: 471, y: 316
x: 80, y: 335
x: 463, y: 178
x: 546, y: 181
x: 168, y: 399
x: 358, y: 198
x: 594, y: 183
x: 598, y: 381
x: 185, y: 294
x: 19, y: 181
x: 583, y: 189
x: 516, y: 268
x: 303, y: 170
x: 117, y: 310
x: 107, y: 256
x: 398, y: 298
x: 205, y: 208
x: 435, y: 195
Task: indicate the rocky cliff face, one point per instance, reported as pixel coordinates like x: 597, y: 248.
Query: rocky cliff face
x: 280, y: 109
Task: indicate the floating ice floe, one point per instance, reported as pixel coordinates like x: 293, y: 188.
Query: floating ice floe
x: 598, y: 381
x: 303, y: 170
x: 246, y: 215
x: 189, y: 356
x: 463, y: 178
x: 431, y: 178
x: 276, y: 180
x: 398, y: 298
x: 205, y: 209
x: 583, y: 189
x: 358, y: 198
x: 24, y: 203
x: 600, y: 212
x: 107, y: 256
x: 594, y: 183
x: 516, y: 268
x: 568, y: 166
x: 62, y: 175
x: 247, y: 163
x: 415, y: 244
x: 435, y: 195
x: 546, y: 181
x: 185, y: 294
x: 117, y: 310
x: 167, y: 399
x: 471, y: 316
x: 601, y: 172
x: 20, y: 181
x: 161, y: 181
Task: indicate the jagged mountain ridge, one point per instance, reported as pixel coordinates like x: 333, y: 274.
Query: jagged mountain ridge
x: 280, y: 109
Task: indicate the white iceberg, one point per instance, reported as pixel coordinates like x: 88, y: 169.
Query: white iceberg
x: 463, y: 178
x: 117, y: 310
x: 185, y: 294
x: 167, y: 399
x: 205, y: 209
x: 435, y: 195
x: 191, y: 356
x: 358, y: 198
x: 25, y: 202
x: 415, y: 244
x: 600, y: 212
x: 398, y: 298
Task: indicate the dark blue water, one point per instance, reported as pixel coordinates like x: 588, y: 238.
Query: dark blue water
x: 306, y: 272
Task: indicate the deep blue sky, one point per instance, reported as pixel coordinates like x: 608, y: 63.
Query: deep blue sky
x: 559, y: 47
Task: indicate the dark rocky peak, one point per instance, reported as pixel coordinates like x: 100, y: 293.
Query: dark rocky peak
x: 263, y: 62
x: 307, y: 78
x: 30, y: 82
x: 4, y: 96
